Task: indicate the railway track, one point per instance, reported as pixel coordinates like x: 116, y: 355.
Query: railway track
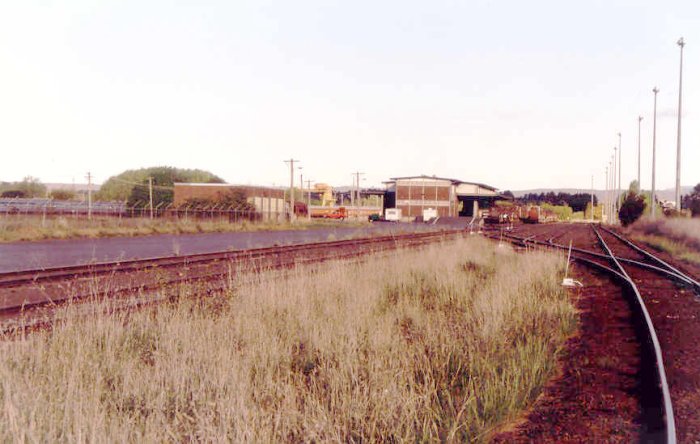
x: 666, y: 304
x: 32, y: 295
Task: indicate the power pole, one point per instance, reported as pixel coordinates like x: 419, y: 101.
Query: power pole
x: 639, y: 153
x: 150, y: 195
x: 89, y: 178
x: 291, y: 187
x: 357, y: 175
x: 681, y: 43
x: 653, y: 160
x: 308, y: 203
x: 352, y: 191
x: 592, y: 205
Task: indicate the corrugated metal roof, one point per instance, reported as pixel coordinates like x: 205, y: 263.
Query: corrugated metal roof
x: 454, y: 181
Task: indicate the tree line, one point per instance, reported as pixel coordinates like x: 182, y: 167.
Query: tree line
x: 577, y: 201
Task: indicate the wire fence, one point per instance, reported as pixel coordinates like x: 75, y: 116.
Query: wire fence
x: 81, y: 209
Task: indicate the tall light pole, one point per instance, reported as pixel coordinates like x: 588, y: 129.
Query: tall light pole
x: 680, y: 43
x: 612, y: 189
x: 639, y: 152
x: 619, y: 170
x: 615, y: 184
x: 606, y: 205
x: 653, y: 160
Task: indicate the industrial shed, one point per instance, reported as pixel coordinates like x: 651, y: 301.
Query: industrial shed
x: 268, y: 201
x: 447, y: 197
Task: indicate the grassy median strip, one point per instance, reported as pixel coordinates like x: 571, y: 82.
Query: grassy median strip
x: 443, y: 343
x: 31, y: 228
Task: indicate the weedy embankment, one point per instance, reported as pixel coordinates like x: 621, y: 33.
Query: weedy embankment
x: 445, y: 343
x: 31, y: 228
x: 679, y: 237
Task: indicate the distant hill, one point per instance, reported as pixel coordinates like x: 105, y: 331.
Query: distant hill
x: 665, y: 194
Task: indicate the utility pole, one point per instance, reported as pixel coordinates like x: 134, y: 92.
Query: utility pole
x: 639, y: 153
x: 653, y: 160
x: 356, y: 183
x: 680, y: 43
x: 301, y: 184
x: 150, y: 195
x: 607, y: 187
x: 89, y: 178
x: 308, y: 203
x: 352, y: 191
x: 291, y: 187
x: 592, y: 205
x: 619, y: 171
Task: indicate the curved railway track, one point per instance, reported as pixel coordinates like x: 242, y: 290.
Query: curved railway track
x: 667, y: 308
x: 638, y: 271
x: 28, y: 294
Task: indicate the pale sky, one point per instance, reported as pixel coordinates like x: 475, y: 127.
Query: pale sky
x: 516, y: 94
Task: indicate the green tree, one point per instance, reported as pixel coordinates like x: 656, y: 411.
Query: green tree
x: 132, y: 185
x: 632, y: 206
x: 692, y: 201
x: 634, y: 187
x: 31, y: 187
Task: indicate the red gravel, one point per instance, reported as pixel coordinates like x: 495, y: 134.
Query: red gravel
x: 675, y: 312
x: 587, y: 402
x: 596, y: 397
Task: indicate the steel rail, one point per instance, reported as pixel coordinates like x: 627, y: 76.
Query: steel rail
x: 670, y: 426
x: 680, y: 277
x: 653, y: 257
x: 9, y: 320
x: 14, y: 278
x: 282, y: 260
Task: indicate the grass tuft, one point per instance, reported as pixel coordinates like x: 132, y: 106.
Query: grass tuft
x: 409, y: 346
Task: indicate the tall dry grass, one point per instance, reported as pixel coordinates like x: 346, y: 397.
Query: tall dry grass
x: 677, y: 236
x: 441, y: 344
x: 34, y: 227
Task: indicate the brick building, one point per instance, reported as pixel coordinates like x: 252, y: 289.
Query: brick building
x: 413, y: 195
x: 267, y: 201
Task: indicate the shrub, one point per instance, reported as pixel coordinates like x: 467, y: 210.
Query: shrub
x: 13, y: 193
x: 632, y: 208
x: 62, y: 194
x: 692, y: 201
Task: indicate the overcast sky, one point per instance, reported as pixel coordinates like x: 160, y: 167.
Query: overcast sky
x: 516, y: 94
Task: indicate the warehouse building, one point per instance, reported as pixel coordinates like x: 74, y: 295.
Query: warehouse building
x: 270, y: 202
x: 431, y: 196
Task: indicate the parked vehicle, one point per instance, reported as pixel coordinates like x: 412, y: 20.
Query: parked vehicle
x: 338, y: 213
x: 392, y: 214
